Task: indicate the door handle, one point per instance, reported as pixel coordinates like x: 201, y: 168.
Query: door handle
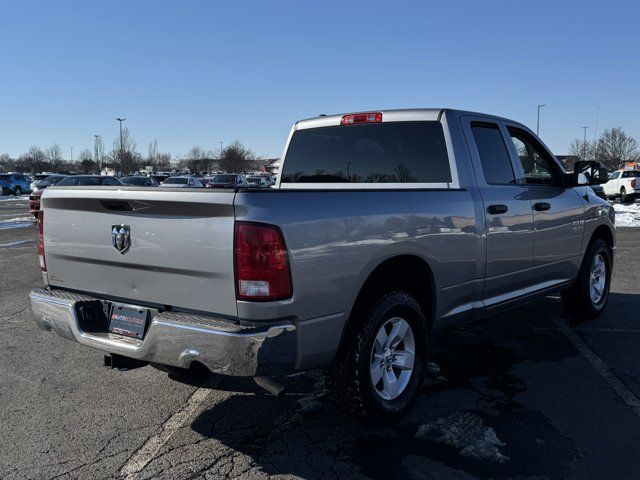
x: 541, y: 206
x: 497, y: 209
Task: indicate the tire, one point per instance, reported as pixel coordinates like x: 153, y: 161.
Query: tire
x: 17, y: 191
x: 350, y: 378
x: 580, y: 301
x: 624, y: 198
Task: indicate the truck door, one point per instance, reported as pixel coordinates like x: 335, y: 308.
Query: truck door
x: 558, y: 211
x: 611, y: 187
x: 508, y: 214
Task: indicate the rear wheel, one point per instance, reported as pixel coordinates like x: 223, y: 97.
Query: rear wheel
x: 588, y: 295
x: 381, y: 364
x: 624, y: 198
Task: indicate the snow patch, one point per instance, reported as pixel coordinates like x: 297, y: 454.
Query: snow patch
x: 11, y: 198
x: 627, y: 215
x: 16, y: 222
x: 466, y: 433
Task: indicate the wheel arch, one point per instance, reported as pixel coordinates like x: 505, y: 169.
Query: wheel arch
x: 604, y: 233
x: 407, y: 272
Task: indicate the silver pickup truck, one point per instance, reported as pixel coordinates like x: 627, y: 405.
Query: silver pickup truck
x: 382, y: 228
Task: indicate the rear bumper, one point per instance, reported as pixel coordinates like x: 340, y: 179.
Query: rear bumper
x: 177, y: 339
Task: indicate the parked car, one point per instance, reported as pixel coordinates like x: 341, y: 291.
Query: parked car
x: 160, y: 178
x: 38, y: 178
x: 261, y: 182
x: 37, y: 188
x: 88, y: 180
x: 227, y: 180
x: 624, y: 184
x: 14, y: 184
x: 383, y: 228
x: 47, y: 181
x: 140, y: 181
x: 182, y: 182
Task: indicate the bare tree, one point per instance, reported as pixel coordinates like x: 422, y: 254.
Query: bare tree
x: 584, y: 150
x: 163, y: 161
x: 88, y: 166
x: 127, y: 160
x: 54, y: 155
x: 237, y: 158
x: 6, y: 163
x: 197, y: 159
x: 615, y: 147
x: 152, y: 156
x: 85, y: 154
x: 34, y: 160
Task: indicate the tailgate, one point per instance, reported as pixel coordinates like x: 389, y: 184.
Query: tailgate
x: 180, y: 250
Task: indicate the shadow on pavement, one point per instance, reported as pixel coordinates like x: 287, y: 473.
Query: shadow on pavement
x: 509, y: 376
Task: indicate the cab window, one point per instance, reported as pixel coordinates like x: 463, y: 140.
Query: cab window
x: 493, y: 153
x: 614, y: 176
x: 539, y: 168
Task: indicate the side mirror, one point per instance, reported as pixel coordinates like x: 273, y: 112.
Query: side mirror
x: 589, y: 173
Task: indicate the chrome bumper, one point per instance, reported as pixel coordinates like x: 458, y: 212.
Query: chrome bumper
x: 177, y: 339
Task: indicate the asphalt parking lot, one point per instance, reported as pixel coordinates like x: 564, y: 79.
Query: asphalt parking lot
x: 517, y: 396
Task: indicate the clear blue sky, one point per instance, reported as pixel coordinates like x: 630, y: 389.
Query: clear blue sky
x: 197, y: 72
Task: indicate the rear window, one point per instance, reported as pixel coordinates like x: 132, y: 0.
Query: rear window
x: 176, y: 181
x: 223, y: 178
x: 87, y: 181
x: 133, y: 180
x: 631, y: 174
x: 394, y: 152
x: 77, y: 181
x: 53, y: 178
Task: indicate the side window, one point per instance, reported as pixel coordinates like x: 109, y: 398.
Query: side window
x: 494, y: 156
x: 538, y: 167
x: 614, y: 176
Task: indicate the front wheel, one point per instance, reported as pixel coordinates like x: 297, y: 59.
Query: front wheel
x: 17, y: 192
x: 588, y: 295
x: 382, y: 361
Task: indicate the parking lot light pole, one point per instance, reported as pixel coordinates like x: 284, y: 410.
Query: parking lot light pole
x: 584, y: 144
x: 538, y: 124
x: 72, y: 154
x: 95, y: 150
x: 121, y: 147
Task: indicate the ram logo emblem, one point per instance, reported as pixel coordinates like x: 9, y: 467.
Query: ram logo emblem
x: 121, y: 237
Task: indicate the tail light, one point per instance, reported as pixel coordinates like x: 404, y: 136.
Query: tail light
x: 367, y: 117
x: 43, y: 264
x: 633, y: 183
x: 262, y: 266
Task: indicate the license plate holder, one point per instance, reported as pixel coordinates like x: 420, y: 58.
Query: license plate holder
x: 128, y: 320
